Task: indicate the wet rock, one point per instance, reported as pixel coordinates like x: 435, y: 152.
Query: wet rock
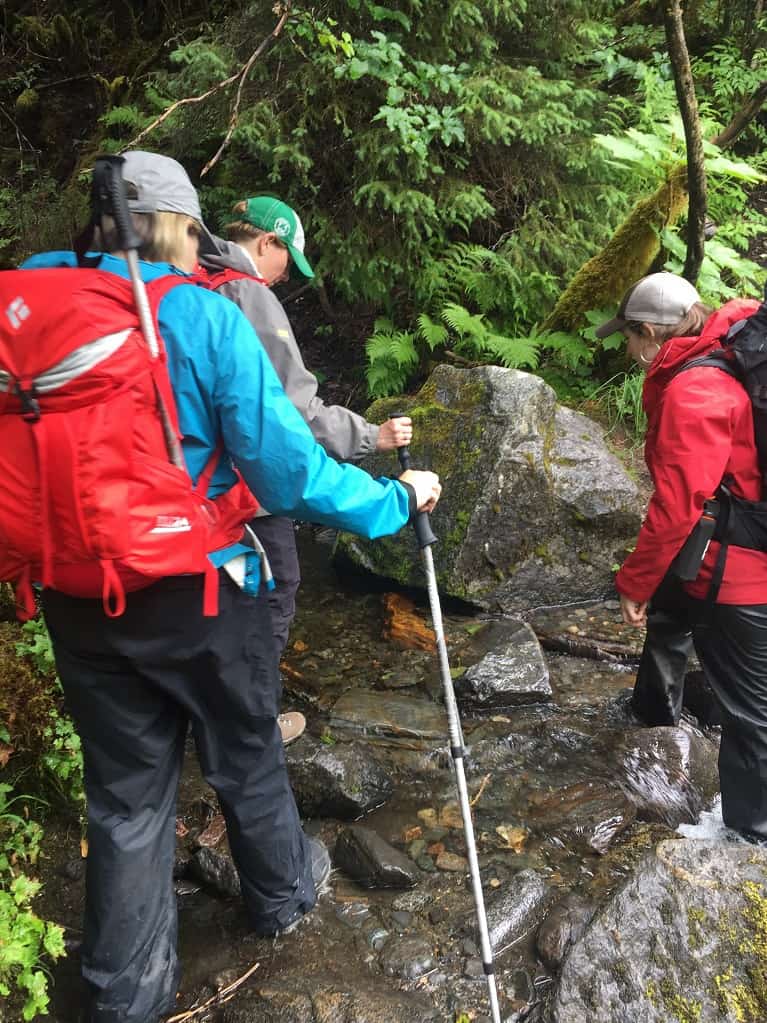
x: 451, y: 862
x: 325, y: 1002
x: 389, y: 714
x: 515, y: 910
x: 588, y: 815
x: 681, y: 940
x: 538, y: 509
x: 372, y: 862
x: 215, y: 870
x: 669, y: 774
x: 564, y: 924
x: 412, y: 902
x: 408, y: 958
x: 509, y: 676
x: 341, y: 781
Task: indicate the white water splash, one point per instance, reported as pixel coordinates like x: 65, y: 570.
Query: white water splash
x: 710, y: 825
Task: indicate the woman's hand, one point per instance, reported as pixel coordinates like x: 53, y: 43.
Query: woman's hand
x: 426, y: 485
x: 634, y: 611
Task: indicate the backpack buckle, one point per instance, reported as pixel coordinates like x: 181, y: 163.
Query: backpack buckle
x: 30, y: 406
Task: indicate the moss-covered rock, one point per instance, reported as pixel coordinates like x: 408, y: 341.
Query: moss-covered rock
x: 688, y: 933
x: 534, y: 510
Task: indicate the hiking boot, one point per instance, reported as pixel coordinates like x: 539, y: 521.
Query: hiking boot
x: 319, y: 858
x: 291, y: 725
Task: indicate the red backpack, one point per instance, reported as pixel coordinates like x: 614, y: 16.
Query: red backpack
x: 91, y: 503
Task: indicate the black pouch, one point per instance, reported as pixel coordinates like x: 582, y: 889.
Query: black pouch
x: 687, y: 563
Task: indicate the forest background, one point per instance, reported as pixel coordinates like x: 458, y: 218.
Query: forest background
x: 455, y: 164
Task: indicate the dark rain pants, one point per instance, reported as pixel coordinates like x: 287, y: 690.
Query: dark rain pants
x: 133, y: 684
x: 278, y: 535
x: 659, y: 686
x: 732, y: 649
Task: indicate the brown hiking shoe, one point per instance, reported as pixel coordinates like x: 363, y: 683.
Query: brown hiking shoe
x: 291, y: 725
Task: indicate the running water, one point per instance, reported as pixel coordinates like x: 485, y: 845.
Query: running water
x: 710, y: 826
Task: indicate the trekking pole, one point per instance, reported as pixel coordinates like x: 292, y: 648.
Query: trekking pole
x: 108, y: 199
x: 426, y: 538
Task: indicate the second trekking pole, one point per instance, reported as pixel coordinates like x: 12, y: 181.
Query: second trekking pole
x: 426, y: 538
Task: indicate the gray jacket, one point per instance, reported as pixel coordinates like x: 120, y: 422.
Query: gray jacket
x: 345, y: 436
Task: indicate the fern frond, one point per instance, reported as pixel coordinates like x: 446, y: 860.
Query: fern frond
x: 463, y: 322
x: 434, y: 334
x: 513, y: 352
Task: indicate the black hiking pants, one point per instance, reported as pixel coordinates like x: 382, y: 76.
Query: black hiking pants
x: 133, y: 684
x: 659, y: 686
x: 732, y: 648
x: 278, y: 535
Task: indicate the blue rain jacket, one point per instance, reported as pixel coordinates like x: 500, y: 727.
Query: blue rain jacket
x: 226, y: 387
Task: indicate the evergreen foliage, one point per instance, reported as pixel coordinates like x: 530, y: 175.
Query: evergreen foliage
x: 455, y: 163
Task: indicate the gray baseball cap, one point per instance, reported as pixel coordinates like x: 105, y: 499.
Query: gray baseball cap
x: 658, y: 298
x: 161, y: 185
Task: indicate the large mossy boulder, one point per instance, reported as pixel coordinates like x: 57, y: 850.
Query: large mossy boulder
x: 535, y: 509
x: 684, y: 939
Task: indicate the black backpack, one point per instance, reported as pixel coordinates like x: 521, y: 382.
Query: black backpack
x: 727, y: 518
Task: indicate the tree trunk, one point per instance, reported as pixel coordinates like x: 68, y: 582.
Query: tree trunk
x: 742, y: 118
x: 688, y: 106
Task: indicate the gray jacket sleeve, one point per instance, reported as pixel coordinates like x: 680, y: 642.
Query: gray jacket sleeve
x: 345, y: 436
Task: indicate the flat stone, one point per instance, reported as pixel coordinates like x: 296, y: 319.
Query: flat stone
x: 408, y: 958
x: 389, y: 714
x: 364, y: 856
x: 451, y: 862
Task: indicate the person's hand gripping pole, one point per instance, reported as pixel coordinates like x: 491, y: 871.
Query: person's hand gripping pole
x: 426, y: 538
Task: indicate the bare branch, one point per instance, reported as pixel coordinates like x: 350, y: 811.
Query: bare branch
x: 269, y: 41
x: 241, y: 74
x: 688, y: 106
x: 224, y: 995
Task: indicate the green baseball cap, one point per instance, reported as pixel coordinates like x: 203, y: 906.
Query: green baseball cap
x: 270, y: 214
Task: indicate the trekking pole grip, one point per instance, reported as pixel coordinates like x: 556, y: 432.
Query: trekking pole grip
x: 421, y: 522
x: 109, y: 198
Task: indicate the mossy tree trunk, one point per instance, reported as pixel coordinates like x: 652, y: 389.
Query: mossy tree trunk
x: 603, y: 279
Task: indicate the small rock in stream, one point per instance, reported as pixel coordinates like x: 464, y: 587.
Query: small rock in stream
x: 341, y: 781
x: 514, y: 911
x: 564, y: 924
x: 408, y: 958
x: 364, y: 856
x: 508, y: 676
x: 216, y: 870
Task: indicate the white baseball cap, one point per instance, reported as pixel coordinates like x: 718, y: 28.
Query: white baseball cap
x: 658, y: 298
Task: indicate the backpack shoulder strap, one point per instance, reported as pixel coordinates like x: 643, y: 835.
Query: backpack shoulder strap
x: 717, y: 360
x: 221, y: 277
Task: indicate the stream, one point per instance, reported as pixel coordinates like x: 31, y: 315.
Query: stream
x: 568, y: 793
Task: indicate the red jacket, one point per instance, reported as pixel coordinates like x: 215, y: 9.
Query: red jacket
x: 700, y: 427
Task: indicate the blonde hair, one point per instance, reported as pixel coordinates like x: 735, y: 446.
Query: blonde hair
x: 691, y: 324
x: 163, y: 236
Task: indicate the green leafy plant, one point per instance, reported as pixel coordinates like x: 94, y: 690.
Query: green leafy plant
x: 20, y: 837
x: 25, y: 943
x: 37, y: 645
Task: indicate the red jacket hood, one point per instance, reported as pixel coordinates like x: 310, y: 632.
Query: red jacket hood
x: 678, y: 350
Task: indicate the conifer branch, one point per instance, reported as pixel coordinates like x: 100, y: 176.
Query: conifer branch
x: 241, y: 75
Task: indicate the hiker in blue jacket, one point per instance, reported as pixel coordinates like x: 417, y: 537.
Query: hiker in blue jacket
x: 134, y: 683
